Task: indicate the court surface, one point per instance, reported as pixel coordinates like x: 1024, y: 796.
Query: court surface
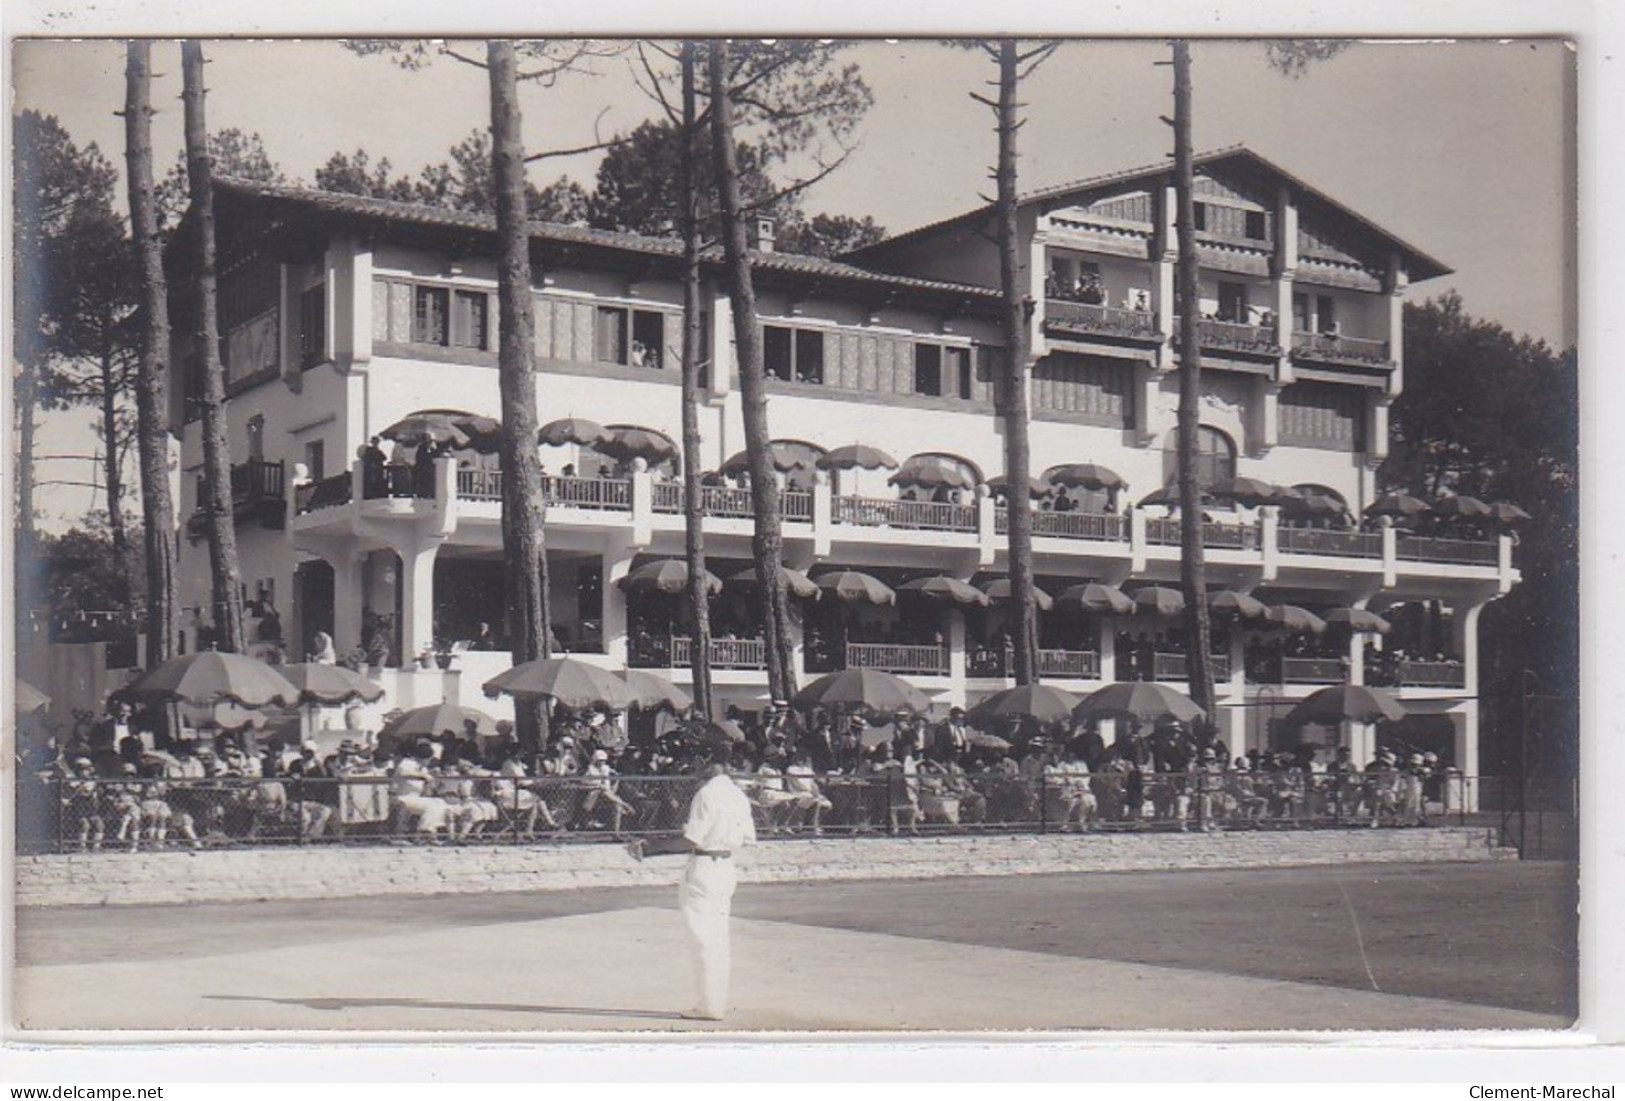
x: 1373, y: 947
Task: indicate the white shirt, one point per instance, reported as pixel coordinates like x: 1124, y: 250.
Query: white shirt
x: 719, y: 818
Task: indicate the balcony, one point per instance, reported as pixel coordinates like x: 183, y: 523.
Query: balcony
x: 1461, y: 552
x: 1174, y: 667
x: 726, y: 653
x: 1235, y: 336
x: 883, y: 512
x: 1358, y: 351
x: 330, y: 492
x: 572, y: 492
x: 897, y: 658
x: 258, y: 493
x: 1349, y: 544
x: 1162, y: 531
x: 1432, y: 674
x: 1069, y: 525
x: 1062, y: 316
x: 1312, y: 671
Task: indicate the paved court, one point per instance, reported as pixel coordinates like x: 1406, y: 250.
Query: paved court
x: 987, y: 954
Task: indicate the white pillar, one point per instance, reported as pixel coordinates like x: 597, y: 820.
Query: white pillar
x: 348, y: 598
x: 417, y: 597
x: 1465, y: 720
x: 617, y: 564
x: 987, y: 538
x: 956, y: 657
x: 1269, y: 528
x: 642, y: 485
x: 1106, y: 639
x: 823, y: 516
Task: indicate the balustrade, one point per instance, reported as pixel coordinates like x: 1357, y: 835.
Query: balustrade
x: 897, y: 658
x: 1350, y: 544
x: 890, y: 512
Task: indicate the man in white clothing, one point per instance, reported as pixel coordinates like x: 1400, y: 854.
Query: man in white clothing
x: 719, y: 825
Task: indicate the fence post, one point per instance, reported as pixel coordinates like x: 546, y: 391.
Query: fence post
x: 1043, y: 804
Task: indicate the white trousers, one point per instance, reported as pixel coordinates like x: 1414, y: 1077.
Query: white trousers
x: 706, y: 897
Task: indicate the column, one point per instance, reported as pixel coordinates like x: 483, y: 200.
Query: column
x: 417, y: 597
x: 1037, y: 270
x: 617, y: 564
x: 1396, y: 323
x: 642, y: 485
x: 822, y: 513
x: 1464, y: 632
x: 1286, y: 271
x: 348, y: 597
x: 956, y: 657
x: 1164, y: 248
x: 987, y: 537
x: 1465, y: 720
x: 1269, y: 527
x: 1106, y: 640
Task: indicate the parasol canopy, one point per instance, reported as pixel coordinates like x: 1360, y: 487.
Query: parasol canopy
x: 1358, y: 619
x: 1246, y: 491
x: 933, y: 472
x: 26, y: 699
x: 999, y: 486
x: 785, y: 455
x: 871, y: 689
x: 1086, y: 475
x: 1095, y: 596
x: 1462, y: 507
x: 1159, y: 600
x: 855, y: 456
x: 798, y: 583
x: 854, y: 587
x: 1508, y: 513
x: 980, y: 739
x: 330, y: 684
x: 999, y: 591
x: 576, y: 430
x: 435, y: 720
x: 947, y: 590
x: 1142, y: 700
x: 1401, y: 506
x: 650, y: 690
x: 437, y: 426
x: 1233, y: 603
x: 1031, y: 701
x: 1300, y: 621
x: 1345, y: 703
x: 568, y: 681
x: 667, y: 575
x: 1167, y: 497
x: 629, y: 441
x: 1313, y: 505
x: 207, y: 677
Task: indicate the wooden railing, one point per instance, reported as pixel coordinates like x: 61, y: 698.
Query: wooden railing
x: 895, y: 658
x: 1069, y: 525
x: 605, y: 493
x: 1340, y: 349
x: 1432, y: 674
x: 1064, y: 316
x: 479, y: 485
x: 1077, y: 664
x: 727, y: 501
x: 726, y: 653
x: 1468, y: 552
x: 1236, y: 336
x: 1163, y: 531
x: 796, y: 504
x: 1349, y: 544
x: 1166, y: 667
x: 890, y: 512
x: 667, y: 497
x: 1312, y: 671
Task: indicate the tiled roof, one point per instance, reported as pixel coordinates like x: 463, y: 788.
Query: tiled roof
x: 389, y: 210
x: 1423, y: 265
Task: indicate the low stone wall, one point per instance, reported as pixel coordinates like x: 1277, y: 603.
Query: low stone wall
x: 221, y: 875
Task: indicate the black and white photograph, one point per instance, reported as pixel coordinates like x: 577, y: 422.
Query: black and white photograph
x: 529, y: 538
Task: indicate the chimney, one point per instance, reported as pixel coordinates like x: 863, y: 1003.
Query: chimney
x: 762, y: 229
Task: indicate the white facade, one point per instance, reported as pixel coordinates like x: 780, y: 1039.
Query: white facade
x: 1299, y: 386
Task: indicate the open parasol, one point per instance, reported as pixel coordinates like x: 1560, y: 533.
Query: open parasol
x: 998, y: 592
x: 855, y: 456
x: 798, y: 583
x: 1341, y: 703
x: 207, y: 677
x: 871, y: 689
x: 667, y: 575
x: 1142, y: 700
x: 947, y: 590
x: 576, y: 430
x: 1086, y: 475
x: 568, y: 681
x: 650, y: 690
x: 1094, y: 596
x: 854, y: 587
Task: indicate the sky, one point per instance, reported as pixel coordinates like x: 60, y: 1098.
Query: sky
x: 1463, y: 149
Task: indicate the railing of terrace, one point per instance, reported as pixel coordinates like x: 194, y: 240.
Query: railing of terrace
x: 919, y: 515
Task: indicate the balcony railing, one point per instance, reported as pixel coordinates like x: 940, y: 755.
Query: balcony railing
x: 479, y: 485
x: 1465, y: 552
x: 258, y: 491
x: 1336, y: 348
x: 327, y: 493
x: 1069, y: 525
x: 726, y: 653
x: 1312, y: 671
x: 1075, y: 664
x: 1432, y: 674
x: 601, y: 493
x: 796, y: 504
x: 880, y: 512
x: 895, y: 658
x: 1350, y: 544
x: 1236, y: 336
x: 1061, y: 315
x: 1172, y: 667
x: 667, y: 497
x: 1163, y: 531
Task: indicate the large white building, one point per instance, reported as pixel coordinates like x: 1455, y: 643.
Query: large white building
x: 341, y: 315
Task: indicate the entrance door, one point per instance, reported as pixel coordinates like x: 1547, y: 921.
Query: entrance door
x: 312, y: 605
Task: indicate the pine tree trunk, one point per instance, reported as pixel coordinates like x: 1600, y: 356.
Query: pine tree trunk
x: 523, y: 504
x: 29, y: 589
x: 767, y: 543
x: 699, y: 601
x: 152, y: 372
x: 114, y: 476
x: 1016, y: 313
x: 1192, y: 569
x: 225, y: 576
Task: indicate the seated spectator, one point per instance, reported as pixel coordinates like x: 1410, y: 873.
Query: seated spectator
x: 81, y: 805
x: 602, y: 794
x: 415, y: 809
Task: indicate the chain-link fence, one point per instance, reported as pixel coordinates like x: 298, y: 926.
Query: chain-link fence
x: 93, y: 814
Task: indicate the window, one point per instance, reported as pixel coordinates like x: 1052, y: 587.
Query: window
x: 1300, y: 313
x: 313, y: 326
x: 928, y: 370
x: 793, y: 355
x: 1323, y: 415
x: 470, y: 327
x: 1092, y: 389
x: 1326, y: 313
x: 430, y: 313
x: 609, y: 344
x: 256, y: 438
x: 956, y: 362
x: 648, y: 339
x: 1201, y: 216
x: 315, y: 453
x: 1215, y: 456
x: 1232, y: 301
x: 1257, y: 227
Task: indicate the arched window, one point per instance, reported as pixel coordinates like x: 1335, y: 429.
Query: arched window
x: 1215, y: 456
